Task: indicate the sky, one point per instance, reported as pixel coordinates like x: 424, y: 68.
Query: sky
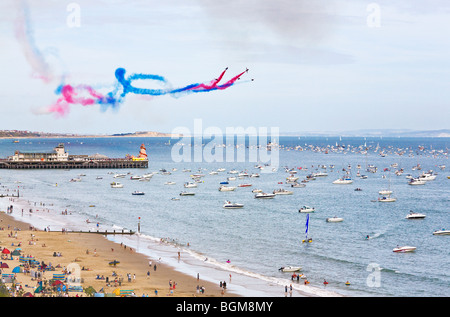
x: 316, y: 65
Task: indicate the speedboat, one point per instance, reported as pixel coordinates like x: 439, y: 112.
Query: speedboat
x: 137, y: 193
x: 244, y: 185
x: 416, y: 181
x: 264, y: 196
x: 343, y: 181
x: 415, y: 215
x: 120, y: 175
x: 387, y: 199
x: 292, y: 178
x: 404, y: 249
x: 224, y: 188
x: 442, y: 232
x: 169, y: 183
x: 187, y: 194
x: 135, y: 177
x: 306, y: 209
x: 230, y: 205
x: 297, y: 185
x: 290, y: 269
x: 320, y: 174
x: 116, y: 185
x: 282, y: 191
x: 335, y: 219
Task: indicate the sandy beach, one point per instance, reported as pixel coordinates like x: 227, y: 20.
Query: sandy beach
x: 88, y: 256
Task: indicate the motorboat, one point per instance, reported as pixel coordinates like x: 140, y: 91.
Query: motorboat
x: 387, y: 199
x: 119, y: 175
x: 231, y: 178
x: 136, y: 192
x: 290, y: 269
x: 320, y: 174
x: 135, y: 177
x: 404, y: 249
x: 416, y: 181
x: 230, y: 205
x: 224, y: 188
x: 282, y: 191
x: 75, y: 180
x: 116, y: 185
x: 297, y: 185
x: 169, y: 183
x: 149, y: 175
x: 306, y: 209
x: 264, y: 195
x: 190, y: 185
x: 442, y: 232
x: 343, y: 181
x: 187, y: 194
x: 244, y: 185
x: 257, y: 190
x: 292, y: 178
x: 175, y: 198
x: 414, y: 215
x: 335, y: 219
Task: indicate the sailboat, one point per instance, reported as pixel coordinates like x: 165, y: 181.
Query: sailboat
x: 306, y: 230
x: 386, y: 198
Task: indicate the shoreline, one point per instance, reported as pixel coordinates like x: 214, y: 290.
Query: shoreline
x: 93, y: 253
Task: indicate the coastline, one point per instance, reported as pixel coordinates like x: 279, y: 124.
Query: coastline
x: 74, y: 246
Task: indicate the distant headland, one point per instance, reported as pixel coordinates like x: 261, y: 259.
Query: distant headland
x: 22, y: 134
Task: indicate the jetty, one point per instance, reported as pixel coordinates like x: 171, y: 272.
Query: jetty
x: 60, y: 159
x: 102, y: 232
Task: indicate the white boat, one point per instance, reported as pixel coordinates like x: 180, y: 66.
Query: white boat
x: 190, y: 185
x: 320, y: 174
x: 442, y: 232
x: 297, y: 185
x: 257, y: 190
x: 387, y: 199
x: 230, y: 205
x: 290, y: 268
x: 231, y: 178
x: 264, y: 196
x: 404, y: 249
x: 116, y: 185
x: 282, y: 191
x: 429, y: 176
x: 187, y: 194
x: 169, y: 183
x: 416, y: 181
x: 135, y: 177
x: 245, y: 185
x: 149, y: 175
x: 292, y: 178
x: 343, y: 181
x: 224, y: 188
x: 335, y: 219
x: 119, y: 175
x: 385, y: 192
x: 306, y: 209
x: 415, y: 215
x: 75, y: 179
x: 136, y: 192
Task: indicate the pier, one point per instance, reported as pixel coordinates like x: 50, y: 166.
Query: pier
x: 102, y: 232
x: 112, y: 163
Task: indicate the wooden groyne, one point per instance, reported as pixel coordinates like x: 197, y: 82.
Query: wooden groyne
x: 102, y: 232
x: 8, y: 164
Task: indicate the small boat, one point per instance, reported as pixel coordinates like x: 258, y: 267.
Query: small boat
x: 256, y: 190
x: 282, y: 191
x: 306, y: 209
x: 137, y: 193
x: 244, y: 185
x: 230, y: 205
x: 224, y: 188
x: 116, y: 185
x: 358, y: 189
x: 169, y: 183
x: 175, y: 198
x: 135, y: 177
x: 442, y: 232
x: 190, y: 185
x: 292, y: 178
x: 387, y: 199
x: 297, y: 185
x: 335, y: 219
x: 290, y: 269
x: 264, y: 196
x: 119, y: 175
x: 223, y: 183
x: 415, y: 215
x: 75, y: 180
x: 343, y: 181
x: 416, y: 181
x: 320, y: 174
x: 187, y: 194
x: 99, y: 177
x: 404, y: 249
x: 231, y: 178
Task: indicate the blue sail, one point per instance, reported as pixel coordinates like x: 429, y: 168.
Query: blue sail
x: 306, y: 225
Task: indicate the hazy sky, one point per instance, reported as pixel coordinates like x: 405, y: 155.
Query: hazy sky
x: 317, y: 65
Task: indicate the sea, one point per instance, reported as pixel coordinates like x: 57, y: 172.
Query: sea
x: 246, y: 247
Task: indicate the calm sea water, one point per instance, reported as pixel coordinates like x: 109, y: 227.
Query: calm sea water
x: 265, y: 234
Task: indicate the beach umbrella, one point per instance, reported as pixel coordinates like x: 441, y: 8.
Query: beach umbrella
x: 4, y: 265
x: 5, y: 251
x: 28, y: 294
x: 17, y: 269
x: 57, y: 282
